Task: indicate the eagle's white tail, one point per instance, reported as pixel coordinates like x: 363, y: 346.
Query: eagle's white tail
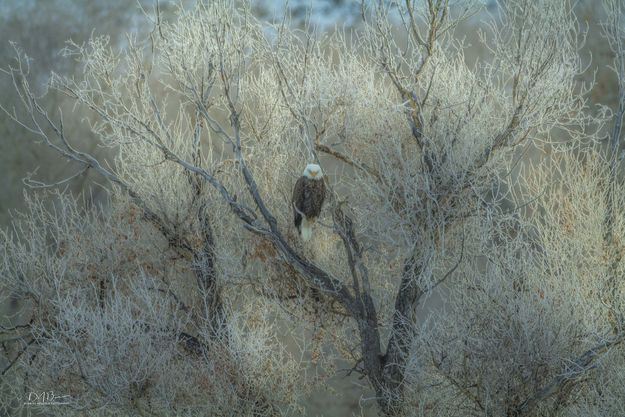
x: 306, y: 229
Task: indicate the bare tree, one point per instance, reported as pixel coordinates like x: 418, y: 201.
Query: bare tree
x: 42, y: 29
x: 166, y: 301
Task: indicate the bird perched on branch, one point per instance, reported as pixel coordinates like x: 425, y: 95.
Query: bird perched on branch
x: 308, y: 195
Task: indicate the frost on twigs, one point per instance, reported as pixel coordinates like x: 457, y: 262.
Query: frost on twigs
x: 456, y: 274
x: 110, y: 331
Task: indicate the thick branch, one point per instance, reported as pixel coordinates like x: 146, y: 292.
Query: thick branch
x: 205, y: 270
x: 399, y: 343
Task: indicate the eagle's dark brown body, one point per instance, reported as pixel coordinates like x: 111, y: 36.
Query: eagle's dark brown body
x: 308, y: 196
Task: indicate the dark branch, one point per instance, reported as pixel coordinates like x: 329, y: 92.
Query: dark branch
x: 573, y: 371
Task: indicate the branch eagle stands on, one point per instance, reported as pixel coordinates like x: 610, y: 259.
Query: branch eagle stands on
x: 308, y: 196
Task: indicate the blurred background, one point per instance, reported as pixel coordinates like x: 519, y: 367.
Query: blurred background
x: 41, y: 28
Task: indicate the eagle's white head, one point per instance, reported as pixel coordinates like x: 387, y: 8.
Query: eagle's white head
x: 313, y: 172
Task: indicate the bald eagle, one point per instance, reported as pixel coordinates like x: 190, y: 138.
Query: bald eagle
x: 308, y: 195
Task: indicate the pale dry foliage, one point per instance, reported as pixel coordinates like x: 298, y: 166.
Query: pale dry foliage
x: 102, y: 289
x: 168, y: 300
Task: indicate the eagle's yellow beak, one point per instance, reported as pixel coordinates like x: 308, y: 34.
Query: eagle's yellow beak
x: 314, y: 173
